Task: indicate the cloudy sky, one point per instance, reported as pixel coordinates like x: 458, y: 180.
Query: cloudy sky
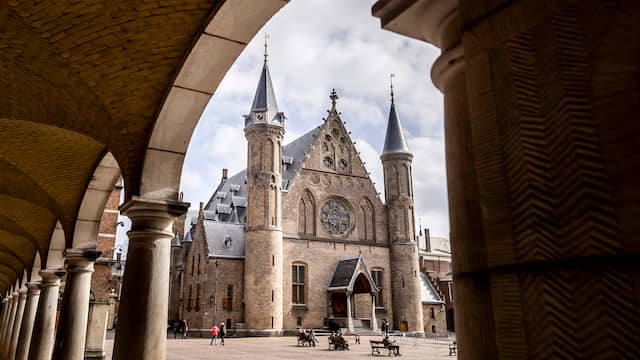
x: 314, y: 46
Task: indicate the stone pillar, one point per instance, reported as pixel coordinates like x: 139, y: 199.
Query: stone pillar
x: 142, y: 316
x: 6, y: 305
x: 72, y: 325
x: 349, y: 319
x: 42, y: 339
x: 28, y: 317
x: 6, y: 342
x: 96, y: 330
x: 374, y: 320
x: 17, y: 323
x: 542, y: 152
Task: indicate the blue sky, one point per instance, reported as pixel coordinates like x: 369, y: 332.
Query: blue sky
x: 314, y: 46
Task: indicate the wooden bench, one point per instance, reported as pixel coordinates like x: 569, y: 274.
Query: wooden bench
x: 452, y: 348
x: 376, y: 345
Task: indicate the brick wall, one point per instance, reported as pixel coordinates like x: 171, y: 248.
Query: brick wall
x: 101, y: 282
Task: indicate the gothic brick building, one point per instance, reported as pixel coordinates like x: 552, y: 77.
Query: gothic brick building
x: 301, y: 238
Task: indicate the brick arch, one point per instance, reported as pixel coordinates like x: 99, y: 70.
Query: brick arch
x: 230, y: 28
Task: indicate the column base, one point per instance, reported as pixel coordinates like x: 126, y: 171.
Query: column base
x: 94, y: 355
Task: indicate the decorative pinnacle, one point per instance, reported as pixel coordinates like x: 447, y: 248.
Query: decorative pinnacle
x: 391, y: 82
x: 333, y: 97
x: 266, y: 36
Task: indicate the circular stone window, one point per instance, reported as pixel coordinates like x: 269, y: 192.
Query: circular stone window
x: 335, y: 218
x: 343, y: 164
x: 328, y: 137
x: 328, y: 162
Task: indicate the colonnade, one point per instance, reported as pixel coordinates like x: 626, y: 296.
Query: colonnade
x: 33, y: 329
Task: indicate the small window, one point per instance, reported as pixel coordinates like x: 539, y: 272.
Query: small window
x: 299, y: 321
x: 297, y: 284
x: 343, y: 164
x: 335, y: 132
x: 327, y: 137
x: 227, y: 302
x: 432, y: 313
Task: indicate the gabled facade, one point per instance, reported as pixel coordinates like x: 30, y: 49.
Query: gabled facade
x: 271, y: 238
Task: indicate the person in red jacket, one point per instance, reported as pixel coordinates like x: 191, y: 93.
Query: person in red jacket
x: 214, y: 335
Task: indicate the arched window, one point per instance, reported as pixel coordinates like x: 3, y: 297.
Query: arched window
x: 193, y: 263
x: 298, y: 281
x: 189, y: 298
x: 199, y: 270
x: 366, y: 221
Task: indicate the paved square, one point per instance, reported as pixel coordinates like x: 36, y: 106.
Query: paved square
x: 285, y: 348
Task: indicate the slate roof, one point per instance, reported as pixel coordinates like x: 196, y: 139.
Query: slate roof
x: 265, y: 101
x: 229, y: 201
x: 428, y: 293
x: 346, y: 273
x: 224, y: 240
x: 394, y: 140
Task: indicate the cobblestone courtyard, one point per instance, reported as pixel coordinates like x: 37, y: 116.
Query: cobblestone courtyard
x: 285, y: 348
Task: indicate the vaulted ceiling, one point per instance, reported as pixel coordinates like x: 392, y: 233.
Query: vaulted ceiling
x: 78, y: 80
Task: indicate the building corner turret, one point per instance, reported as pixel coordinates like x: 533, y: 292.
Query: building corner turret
x: 397, y: 166
x: 264, y: 131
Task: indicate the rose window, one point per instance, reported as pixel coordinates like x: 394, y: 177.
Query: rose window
x: 335, y: 218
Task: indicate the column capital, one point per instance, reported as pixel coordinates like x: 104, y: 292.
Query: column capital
x: 80, y: 260
x: 33, y: 287
x: 51, y: 277
x: 22, y: 293
x: 152, y: 217
x: 449, y: 63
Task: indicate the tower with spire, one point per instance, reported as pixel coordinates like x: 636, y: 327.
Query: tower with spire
x: 405, y: 281
x: 264, y: 131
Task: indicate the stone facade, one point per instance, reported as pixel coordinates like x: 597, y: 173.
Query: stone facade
x: 274, y: 235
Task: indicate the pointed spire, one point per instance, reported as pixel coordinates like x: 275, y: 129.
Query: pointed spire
x: 264, y: 109
x: 394, y: 141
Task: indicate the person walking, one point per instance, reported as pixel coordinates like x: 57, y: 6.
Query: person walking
x: 223, y: 333
x: 214, y: 335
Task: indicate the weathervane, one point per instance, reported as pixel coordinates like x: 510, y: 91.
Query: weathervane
x: 391, y: 81
x: 266, y: 36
